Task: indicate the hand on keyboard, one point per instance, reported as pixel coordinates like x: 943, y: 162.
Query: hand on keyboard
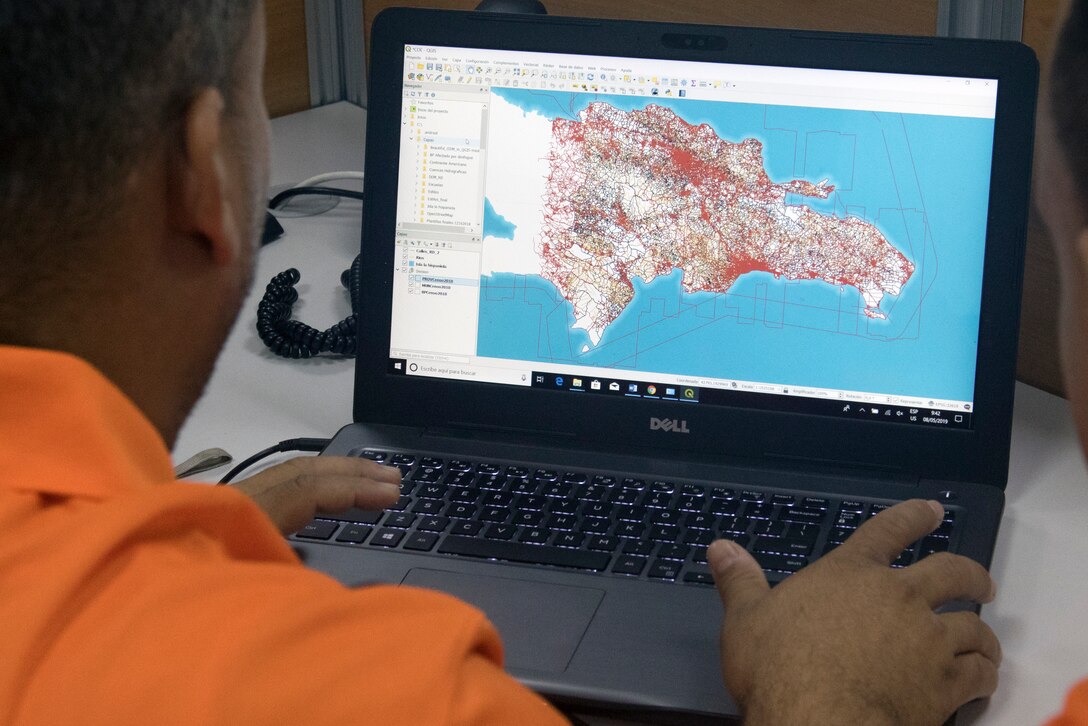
x: 849, y: 639
x: 291, y: 493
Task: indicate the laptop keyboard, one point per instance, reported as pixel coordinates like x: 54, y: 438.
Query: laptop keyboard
x: 627, y: 526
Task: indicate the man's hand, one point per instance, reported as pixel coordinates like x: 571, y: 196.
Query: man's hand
x: 849, y: 639
x: 291, y: 493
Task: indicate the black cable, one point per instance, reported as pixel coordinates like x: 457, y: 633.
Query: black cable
x: 316, y: 445
x: 314, y: 191
x: 294, y: 339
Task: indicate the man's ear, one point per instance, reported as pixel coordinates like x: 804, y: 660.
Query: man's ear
x: 202, y: 207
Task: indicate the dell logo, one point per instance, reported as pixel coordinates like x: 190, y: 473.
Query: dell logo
x: 669, y: 424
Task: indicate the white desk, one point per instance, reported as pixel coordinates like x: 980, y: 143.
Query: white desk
x: 255, y: 399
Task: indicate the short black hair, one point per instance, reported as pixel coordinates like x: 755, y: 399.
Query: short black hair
x: 1069, y: 94
x: 86, y: 88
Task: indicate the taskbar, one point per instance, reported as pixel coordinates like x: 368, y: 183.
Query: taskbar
x: 861, y: 411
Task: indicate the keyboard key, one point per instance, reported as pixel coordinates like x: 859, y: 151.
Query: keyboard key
x: 626, y: 496
x: 403, y: 459
x: 568, y: 539
x: 353, y: 534
x: 563, y: 506
x: 664, y: 570
x: 629, y: 565
x: 466, y: 528
x: 700, y: 577
x: 786, y: 500
x: 489, y: 469
x: 548, y: 475
x: 458, y: 510
x: 432, y: 491
x: 699, y: 521
x: 491, y: 482
x: 421, y: 541
x: 688, y: 503
x: 673, y: 551
x: 494, y: 514
x: 758, y: 510
x: 816, y: 503
x: 374, y: 455
x: 638, y: 547
x: 528, y: 519
x: 400, y: 505
x: 500, y: 531
x: 664, y: 487
x: 574, y: 477
x: 698, y: 537
x: 522, y: 486
x: 318, y: 529
x: 459, y: 465
x: 664, y: 532
x: 749, y: 495
x: 594, y: 526
x: 604, y: 481
x: 838, y: 536
x: 518, y: 472
x: 497, y: 499
x: 428, y: 506
x: 664, y: 516
x: 427, y: 475
x: 465, y: 495
x: 850, y: 505
x: 433, y: 524
x: 775, y: 546
x: 387, y: 537
x: 535, y: 535
x: 931, y: 546
x: 603, y: 543
x: 360, y: 516
x: 802, y: 516
x: 431, y: 462
x: 780, y: 563
x: 527, y: 553
x: 562, y: 521
x: 400, y: 520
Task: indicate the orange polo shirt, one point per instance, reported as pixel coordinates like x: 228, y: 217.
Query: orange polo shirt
x: 1076, y: 708
x: 129, y: 598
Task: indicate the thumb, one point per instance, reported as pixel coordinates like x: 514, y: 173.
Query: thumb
x: 739, y: 577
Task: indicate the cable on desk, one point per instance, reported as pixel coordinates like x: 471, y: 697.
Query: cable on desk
x: 315, y: 445
x: 312, y: 191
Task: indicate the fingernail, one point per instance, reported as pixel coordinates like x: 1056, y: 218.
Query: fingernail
x: 724, y: 551
x: 936, y: 507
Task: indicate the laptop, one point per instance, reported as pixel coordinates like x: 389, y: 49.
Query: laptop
x: 630, y: 287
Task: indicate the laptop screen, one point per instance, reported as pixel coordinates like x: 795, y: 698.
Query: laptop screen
x: 714, y: 234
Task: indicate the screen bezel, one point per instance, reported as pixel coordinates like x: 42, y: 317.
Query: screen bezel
x: 979, y: 454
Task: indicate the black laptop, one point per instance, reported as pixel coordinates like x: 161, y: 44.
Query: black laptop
x: 631, y: 287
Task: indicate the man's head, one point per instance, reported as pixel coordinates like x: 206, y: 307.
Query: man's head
x: 1061, y: 193
x: 135, y: 161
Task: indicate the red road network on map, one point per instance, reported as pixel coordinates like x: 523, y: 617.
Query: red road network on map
x: 643, y: 193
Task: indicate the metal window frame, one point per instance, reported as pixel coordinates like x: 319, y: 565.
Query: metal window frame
x: 988, y: 19
x: 335, y: 51
x: 337, y: 56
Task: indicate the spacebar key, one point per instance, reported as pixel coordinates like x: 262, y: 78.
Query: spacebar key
x: 532, y: 554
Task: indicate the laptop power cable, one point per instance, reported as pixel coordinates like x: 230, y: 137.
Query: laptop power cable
x: 309, y: 445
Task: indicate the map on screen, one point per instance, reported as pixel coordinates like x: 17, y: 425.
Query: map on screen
x: 831, y: 248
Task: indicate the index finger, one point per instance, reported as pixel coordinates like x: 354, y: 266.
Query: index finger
x: 884, y: 537
x: 350, y: 466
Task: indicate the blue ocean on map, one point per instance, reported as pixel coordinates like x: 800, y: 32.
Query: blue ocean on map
x: 923, y: 181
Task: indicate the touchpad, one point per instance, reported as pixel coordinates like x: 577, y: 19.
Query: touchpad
x: 541, y: 624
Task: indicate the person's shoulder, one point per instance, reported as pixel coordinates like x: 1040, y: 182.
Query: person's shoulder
x: 1075, y: 712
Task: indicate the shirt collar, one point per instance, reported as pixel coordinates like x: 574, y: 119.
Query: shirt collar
x: 66, y: 429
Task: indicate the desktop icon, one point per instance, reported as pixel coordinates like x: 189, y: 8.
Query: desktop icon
x: 651, y: 389
x: 595, y: 385
x: 613, y: 386
x: 632, y: 388
x: 689, y: 393
x: 670, y: 391
x: 559, y: 381
x: 577, y: 383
